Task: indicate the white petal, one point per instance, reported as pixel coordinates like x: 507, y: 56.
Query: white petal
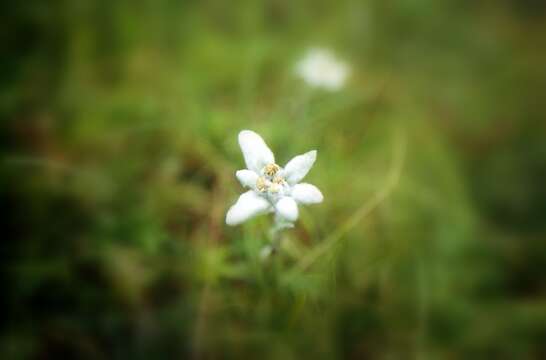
x: 306, y: 194
x: 298, y: 167
x: 247, y: 178
x: 266, y: 252
x: 247, y: 206
x: 321, y: 68
x: 287, y: 208
x: 255, y: 151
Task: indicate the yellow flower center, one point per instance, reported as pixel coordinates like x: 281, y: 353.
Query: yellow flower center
x: 261, y: 184
x: 271, y: 183
x: 271, y: 169
x: 278, y: 180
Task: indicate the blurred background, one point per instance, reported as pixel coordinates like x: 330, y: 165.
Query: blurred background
x: 119, y: 123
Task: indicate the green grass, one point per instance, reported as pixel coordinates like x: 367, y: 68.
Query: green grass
x: 120, y: 124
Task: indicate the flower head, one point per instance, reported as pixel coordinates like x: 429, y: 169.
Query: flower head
x: 272, y: 188
x: 320, y: 68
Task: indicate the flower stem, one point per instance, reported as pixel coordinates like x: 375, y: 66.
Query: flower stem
x: 275, y: 238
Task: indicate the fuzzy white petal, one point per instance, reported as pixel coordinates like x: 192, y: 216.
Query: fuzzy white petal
x: 320, y: 68
x: 287, y: 208
x: 306, y: 194
x: 255, y: 151
x: 299, y: 166
x: 247, y: 206
x: 247, y: 178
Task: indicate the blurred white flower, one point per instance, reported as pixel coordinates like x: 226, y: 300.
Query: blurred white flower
x: 272, y: 188
x: 320, y: 68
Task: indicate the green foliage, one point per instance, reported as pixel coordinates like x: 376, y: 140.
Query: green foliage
x: 119, y: 127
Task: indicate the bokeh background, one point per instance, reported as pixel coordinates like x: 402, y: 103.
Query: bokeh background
x: 119, y: 127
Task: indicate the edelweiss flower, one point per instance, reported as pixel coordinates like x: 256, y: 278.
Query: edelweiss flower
x: 320, y: 68
x: 272, y: 188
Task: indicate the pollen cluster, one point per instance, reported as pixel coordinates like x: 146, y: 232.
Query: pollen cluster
x: 271, y: 183
x: 270, y: 170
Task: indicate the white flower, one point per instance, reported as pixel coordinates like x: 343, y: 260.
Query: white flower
x: 320, y: 68
x: 272, y: 188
